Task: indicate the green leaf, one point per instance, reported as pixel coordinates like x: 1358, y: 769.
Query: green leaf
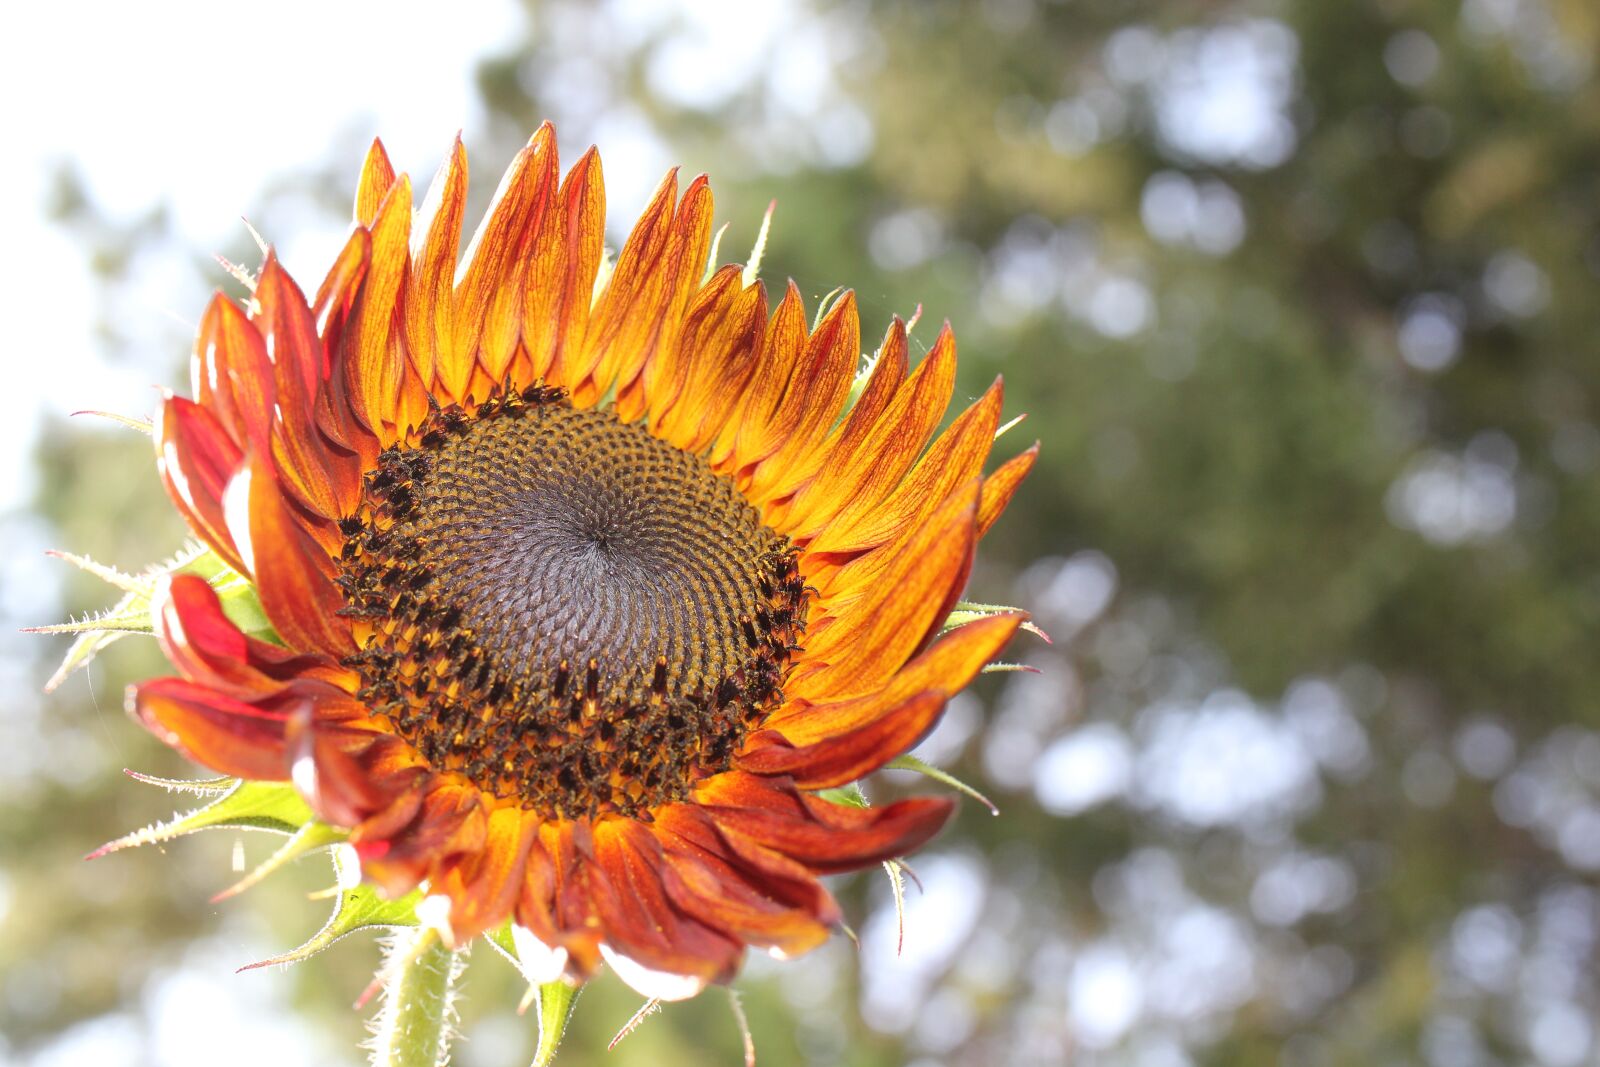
x: 355, y: 907
x: 912, y: 763
x: 271, y: 806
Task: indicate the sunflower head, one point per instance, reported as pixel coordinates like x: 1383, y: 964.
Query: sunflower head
x: 578, y: 595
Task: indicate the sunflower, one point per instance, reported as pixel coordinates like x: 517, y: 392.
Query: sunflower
x: 583, y: 583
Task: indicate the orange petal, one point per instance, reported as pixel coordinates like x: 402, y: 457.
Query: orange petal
x: 559, y: 282
x: 1000, y: 486
x: 955, y: 457
x: 948, y: 664
x: 813, y: 399
x: 821, y: 835
x: 639, y: 919
x: 873, y: 453
x: 890, y: 616
x: 213, y: 729
x: 488, y: 297
x: 715, y: 357
x: 843, y: 757
x: 371, y: 354
x: 640, y: 314
x: 450, y: 821
x: 336, y: 298
x: 377, y: 174
x: 233, y: 374
x: 196, y: 458
x: 483, y: 886
x: 707, y: 884
x: 430, y: 288
x: 300, y: 365
x: 751, y: 436
x: 293, y: 576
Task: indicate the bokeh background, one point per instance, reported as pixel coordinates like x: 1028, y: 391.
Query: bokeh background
x: 1301, y: 299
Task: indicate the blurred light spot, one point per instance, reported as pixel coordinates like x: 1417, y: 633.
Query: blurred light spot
x: 1319, y: 713
x: 1430, y: 332
x: 1484, y: 748
x: 905, y: 238
x: 1208, y: 216
x: 938, y: 920
x: 1070, y: 592
x: 1223, y: 94
x: 1298, y: 885
x: 1120, y: 307
x: 1516, y: 285
x: 1205, y: 965
x: 1104, y: 995
x: 1560, y: 1035
x: 1451, y: 1041
x: 1085, y: 768
x: 1484, y: 946
x: 1411, y: 57
x: 1133, y: 54
x: 1224, y: 762
x: 1579, y: 837
x: 1453, y: 500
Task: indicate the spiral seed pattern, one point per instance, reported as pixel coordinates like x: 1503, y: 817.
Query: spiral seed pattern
x: 565, y: 608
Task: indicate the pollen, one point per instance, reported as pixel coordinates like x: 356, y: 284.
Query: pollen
x: 565, y: 609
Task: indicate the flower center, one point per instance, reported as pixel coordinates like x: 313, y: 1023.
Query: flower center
x: 564, y: 608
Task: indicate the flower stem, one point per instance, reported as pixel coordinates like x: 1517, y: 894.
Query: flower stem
x: 414, y: 1027
x: 555, y: 1005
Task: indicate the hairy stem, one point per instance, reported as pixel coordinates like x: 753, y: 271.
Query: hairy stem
x: 414, y: 1027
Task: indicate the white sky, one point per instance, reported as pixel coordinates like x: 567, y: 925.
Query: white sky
x: 194, y: 104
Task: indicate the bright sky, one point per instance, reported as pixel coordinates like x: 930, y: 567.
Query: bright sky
x: 197, y: 110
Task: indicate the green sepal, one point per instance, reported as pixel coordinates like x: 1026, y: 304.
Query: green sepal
x: 911, y: 763
x: 271, y: 806
x: 849, y: 795
x: 898, y: 885
x: 314, y: 835
x: 965, y: 612
x: 555, y: 1008
x: 131, y: 614
x: 1009, y: 668
x: 359, y: 907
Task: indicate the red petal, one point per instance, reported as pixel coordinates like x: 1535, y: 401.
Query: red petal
x: 823, y: 836
x: 196, y: 459
x: 292, y: 574
x: 206, y: 647
x: 213, y: 729
x: 844, y: 757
